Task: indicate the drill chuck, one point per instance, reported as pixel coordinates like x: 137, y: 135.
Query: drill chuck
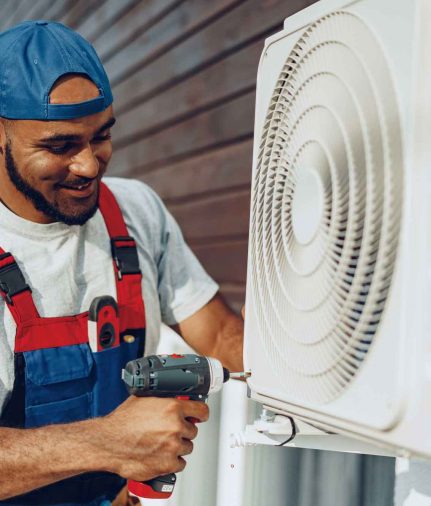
x: 218, y: 374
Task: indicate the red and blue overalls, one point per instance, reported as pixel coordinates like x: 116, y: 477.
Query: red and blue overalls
x: 58, y: 378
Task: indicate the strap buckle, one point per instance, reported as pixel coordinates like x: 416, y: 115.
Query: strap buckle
x: 12, y: 281
x: 125, y: 255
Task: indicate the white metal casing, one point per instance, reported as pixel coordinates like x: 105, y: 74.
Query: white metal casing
x: 388, y: 402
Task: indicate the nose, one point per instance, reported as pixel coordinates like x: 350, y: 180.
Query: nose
x: 85, y: 163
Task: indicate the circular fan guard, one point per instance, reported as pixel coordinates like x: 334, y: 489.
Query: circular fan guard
x: 326, y: 208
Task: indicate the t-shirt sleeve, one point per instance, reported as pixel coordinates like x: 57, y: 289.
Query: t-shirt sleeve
x: 183, y: 285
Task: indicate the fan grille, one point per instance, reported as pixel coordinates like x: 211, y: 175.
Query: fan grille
x: 326, y: 207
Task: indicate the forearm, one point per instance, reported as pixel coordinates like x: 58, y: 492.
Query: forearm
x: 216, y: 331
x: 141, y: 439
x: 32, y: 458
x: 228, y: 346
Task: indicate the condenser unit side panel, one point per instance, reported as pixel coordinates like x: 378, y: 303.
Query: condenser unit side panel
x: 376, y: 397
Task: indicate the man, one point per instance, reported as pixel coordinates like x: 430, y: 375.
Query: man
x: 68, y: 435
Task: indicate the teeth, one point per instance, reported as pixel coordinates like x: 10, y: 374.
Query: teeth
x: 78, y: 187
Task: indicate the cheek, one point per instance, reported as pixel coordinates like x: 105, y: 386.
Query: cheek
x: 104, y: 152
x: 44, y: 169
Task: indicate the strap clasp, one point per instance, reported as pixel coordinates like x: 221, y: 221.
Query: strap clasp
x: 12, y: 281
x: 125, y: 255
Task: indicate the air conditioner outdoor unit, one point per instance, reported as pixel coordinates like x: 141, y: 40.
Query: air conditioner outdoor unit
x: 338, y: 310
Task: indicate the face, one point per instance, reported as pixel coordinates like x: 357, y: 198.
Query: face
x: 52, y: 169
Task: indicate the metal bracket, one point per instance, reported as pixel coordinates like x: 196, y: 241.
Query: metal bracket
x: 276, y: 430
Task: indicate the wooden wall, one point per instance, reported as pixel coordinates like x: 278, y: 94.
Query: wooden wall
x: 183, y: 74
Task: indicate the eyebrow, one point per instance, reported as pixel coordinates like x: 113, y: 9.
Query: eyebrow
x: 74, y: 137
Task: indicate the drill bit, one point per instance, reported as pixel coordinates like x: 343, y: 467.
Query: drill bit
x: 240, y: 375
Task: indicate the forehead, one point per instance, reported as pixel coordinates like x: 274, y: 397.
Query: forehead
x: 73, y: 88
x: 68, y: 89
x: 85, y: 126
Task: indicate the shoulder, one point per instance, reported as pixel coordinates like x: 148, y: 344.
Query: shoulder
x: 131, y: 192
x: 136, y: 199
x: 143, y: 210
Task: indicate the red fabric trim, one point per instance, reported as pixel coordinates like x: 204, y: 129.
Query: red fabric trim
x: 129, y: 291
x: 129, y: 287
x: 6, y: 261
x: 132, y: 311
x: 35, y: 333
x: 131, y: 317
x: 125, y: 244
x: 23, y: 308
x: 111, y: 213
x: 52, y: 332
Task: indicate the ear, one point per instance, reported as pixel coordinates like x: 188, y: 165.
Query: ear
x: 3, y: 136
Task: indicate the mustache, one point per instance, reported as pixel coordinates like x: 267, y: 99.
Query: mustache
x: 75, y: 183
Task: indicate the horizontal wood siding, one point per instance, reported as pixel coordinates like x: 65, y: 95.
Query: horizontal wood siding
x: 183, y: 74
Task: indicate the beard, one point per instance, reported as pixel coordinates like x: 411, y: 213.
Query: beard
x: 52, y: 210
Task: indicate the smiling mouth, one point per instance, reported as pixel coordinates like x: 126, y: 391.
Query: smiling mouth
x: 83, y: 190
x: 80, y: 187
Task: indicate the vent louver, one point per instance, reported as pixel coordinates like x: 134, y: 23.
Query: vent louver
x: 326, y: 207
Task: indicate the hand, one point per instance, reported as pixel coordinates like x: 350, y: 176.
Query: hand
x: 243, y: 312
x: 148, y: 437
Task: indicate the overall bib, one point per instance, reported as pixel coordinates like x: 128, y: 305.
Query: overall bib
x: 58, y: 377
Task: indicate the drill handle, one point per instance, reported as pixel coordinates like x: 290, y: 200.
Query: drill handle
x: 161, y: 487
x: 157, y: 488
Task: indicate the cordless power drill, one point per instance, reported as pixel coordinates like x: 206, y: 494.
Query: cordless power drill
x: 182, y: 376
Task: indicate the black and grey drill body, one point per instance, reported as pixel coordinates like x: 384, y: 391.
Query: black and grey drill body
x: 189, y: 375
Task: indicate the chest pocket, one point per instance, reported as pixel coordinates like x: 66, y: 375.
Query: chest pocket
x: 58, y: 385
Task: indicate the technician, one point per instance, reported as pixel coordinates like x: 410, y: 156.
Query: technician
x: 68, y: 434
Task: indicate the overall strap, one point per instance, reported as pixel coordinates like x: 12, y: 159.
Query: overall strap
x: 15, y: 291
x: 128, y: 275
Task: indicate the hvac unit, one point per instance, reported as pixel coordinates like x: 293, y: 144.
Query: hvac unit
x: 338, y: 310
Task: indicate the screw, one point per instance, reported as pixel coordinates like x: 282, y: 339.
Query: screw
x: 266, y: 415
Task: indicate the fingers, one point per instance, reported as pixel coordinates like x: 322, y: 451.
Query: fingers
x: 181, y: 465
x: 176, y: 463
x: 190, y: 430
x: 193, y: 409
x: 158, y: 434
x: 187, y: 447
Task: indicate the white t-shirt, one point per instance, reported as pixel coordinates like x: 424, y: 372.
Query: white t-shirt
x: 68, y: 266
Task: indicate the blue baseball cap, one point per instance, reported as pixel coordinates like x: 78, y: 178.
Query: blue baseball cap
x: 33, y: 56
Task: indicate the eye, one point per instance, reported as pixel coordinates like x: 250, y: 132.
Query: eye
x: 102, y: 138
x: 60, y: 149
